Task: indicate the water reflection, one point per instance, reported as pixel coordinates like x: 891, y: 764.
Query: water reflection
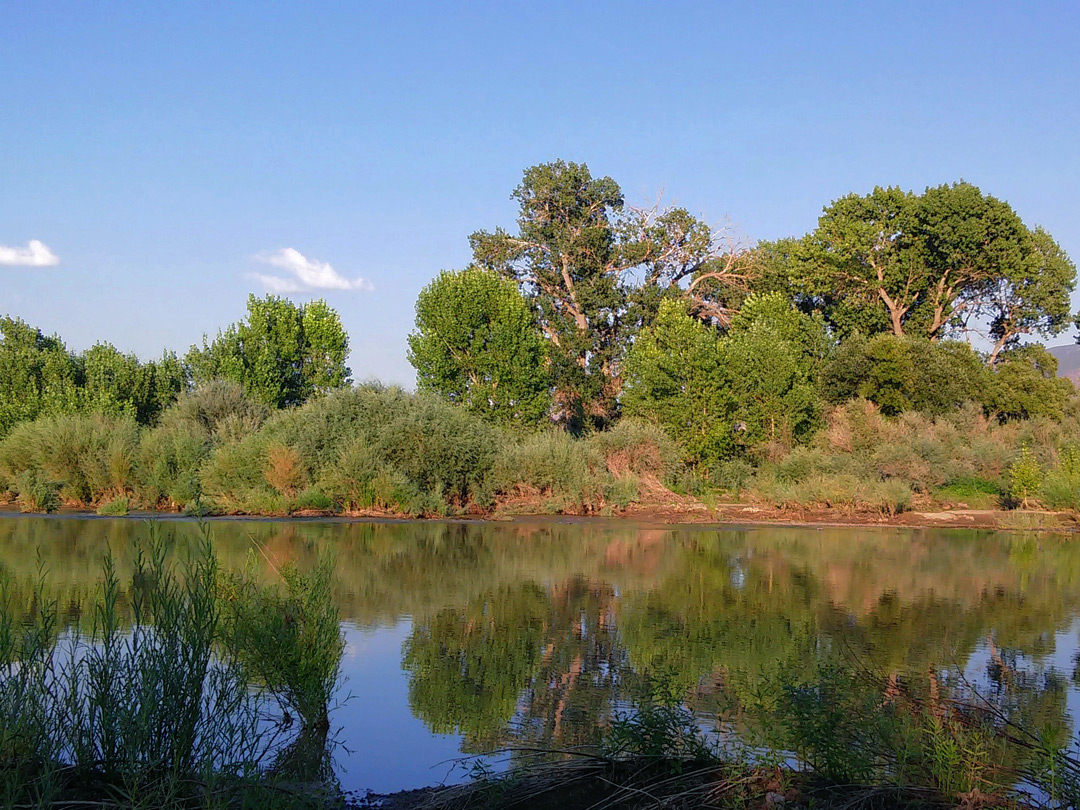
x: 467, y: 637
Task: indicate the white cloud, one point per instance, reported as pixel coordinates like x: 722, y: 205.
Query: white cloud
x: 304, y: 274
x: 35, y: 254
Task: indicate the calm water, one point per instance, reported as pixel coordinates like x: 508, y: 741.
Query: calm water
x: 464, y: 638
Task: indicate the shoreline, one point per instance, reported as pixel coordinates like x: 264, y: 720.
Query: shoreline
x: 725, y: 516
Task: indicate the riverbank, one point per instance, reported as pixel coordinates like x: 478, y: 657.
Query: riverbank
x: 653, y: 515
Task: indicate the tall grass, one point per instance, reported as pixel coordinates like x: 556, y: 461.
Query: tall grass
x: 156, y: 713
x: 864, y: 460
x: 89, y: 456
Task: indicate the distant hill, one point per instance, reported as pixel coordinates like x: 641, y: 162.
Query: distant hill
x: 1068, y: 358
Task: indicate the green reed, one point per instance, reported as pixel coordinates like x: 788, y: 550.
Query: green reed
x: 158, y: 712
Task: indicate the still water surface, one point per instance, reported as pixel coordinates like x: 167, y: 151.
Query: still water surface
x: 462, y: 638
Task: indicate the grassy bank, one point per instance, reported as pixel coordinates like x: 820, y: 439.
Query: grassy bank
x: 372, y: 449
x: 367, y: 448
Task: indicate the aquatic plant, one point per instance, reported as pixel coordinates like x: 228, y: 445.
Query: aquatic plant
x: 156, y: 713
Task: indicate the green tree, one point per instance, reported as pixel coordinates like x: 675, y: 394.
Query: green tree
x: 1025, y: 385
x: 282, y: 355
x: 863, y: 252
x: 115, y: 383
x: 37, y: 374
x: 901, y: 374
x: 1032, y: 296
x: 924, y: 265
x: 477, y: 343
x: 595, y: 269
x: 717, y: 394
x: 674, y: 373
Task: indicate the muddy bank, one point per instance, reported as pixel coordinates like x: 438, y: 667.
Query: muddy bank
x: 685, y: 512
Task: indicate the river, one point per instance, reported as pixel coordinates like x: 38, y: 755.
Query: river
x: 463, y: 637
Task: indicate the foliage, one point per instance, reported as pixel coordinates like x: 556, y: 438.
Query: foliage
x: 903, y: 374
x: 1061, y: 486
x: 115, y: 507
x: 1025, y: 477
x: 171, y: 697
x: 595, y: 269
x: 1025, y: 385
x: 37, y: 374
x: 717, y: 394
x: 114, y: 383
x: 282, y: 354
x: 552, y: 465
x: 674, y: 374
x: 35, y: 492
x: 92, y: 456
x: 363, y: 445
x: 920, y: 265
x: 477, y: 343
x: 144, y: 711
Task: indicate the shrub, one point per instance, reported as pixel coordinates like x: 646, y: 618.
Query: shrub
x: 1025, y: 478
x: 417, y: 451
x: 91, y: 455
x: 234, y: 472
x: 551, y: 464
x: 732, y: 475
x: 284, y: 470
x: 1025, y: 385
x: 218, y: 410
x: 35, y: 492
x: 638, y: 447
x: 116, y: 507
x: 168, y: 460
x: 437, y: 447
x: 1061, y: 487
x: 901, y: 374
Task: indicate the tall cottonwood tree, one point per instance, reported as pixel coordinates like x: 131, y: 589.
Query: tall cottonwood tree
x: 476, y: 343
x: 949, y: 259
x: 38, y: 375
x: 595, y: 269
x: 281, y: 355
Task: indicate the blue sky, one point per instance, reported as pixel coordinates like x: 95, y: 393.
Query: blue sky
x: 167, y: 153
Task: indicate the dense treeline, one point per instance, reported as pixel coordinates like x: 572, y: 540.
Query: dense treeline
x: 593, y: 353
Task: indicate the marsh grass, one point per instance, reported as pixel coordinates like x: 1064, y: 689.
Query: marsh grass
x: 156, y: 711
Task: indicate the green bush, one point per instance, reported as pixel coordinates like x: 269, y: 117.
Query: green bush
x: 217, y: 410
x: 438, y: 447
x: 34, y: 492
x: 732, y: 475
x: 169, y: 457
x: 1061, y: 486
x: 1025, y: 478
x: 902, y: 374
x: 368, y: 447
x: 116, y: 507
x: 551, y: 464
x: 91, y: 455
x: 638, y: 447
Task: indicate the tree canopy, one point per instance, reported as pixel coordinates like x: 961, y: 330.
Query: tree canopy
x: 281, y: 355
x: 950, y: 260
x: 594, y: 269
x: 477, y: 343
